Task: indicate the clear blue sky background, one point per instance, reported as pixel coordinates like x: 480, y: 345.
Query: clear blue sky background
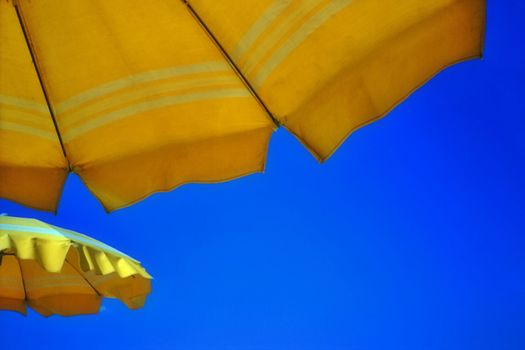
x: 411, y: 237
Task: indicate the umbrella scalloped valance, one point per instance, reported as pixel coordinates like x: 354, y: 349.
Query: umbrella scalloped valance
x: 58, y: 271
x: 138, y: 97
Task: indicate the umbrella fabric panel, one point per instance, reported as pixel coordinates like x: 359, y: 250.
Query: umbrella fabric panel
x: 122, y: 182
x: 66, y: 293
x: 131, y: 290
x: 327, y: 67
x: 12, y: 293
x: 32, y: 166
x: 143, y: 99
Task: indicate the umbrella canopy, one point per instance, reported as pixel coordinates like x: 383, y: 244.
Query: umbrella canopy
x: 138, y: 97
x: 58, y: 271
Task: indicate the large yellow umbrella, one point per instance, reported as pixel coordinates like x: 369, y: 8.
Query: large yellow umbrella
x: 58, y: 271
x: 141, y: 96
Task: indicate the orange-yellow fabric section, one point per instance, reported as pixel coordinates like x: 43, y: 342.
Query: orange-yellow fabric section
x: 131, y: 290
x: 327, y: 67
x: 32, y: 166
x: 143, y: 99
x: 66, y: 293
x: 12, y: 293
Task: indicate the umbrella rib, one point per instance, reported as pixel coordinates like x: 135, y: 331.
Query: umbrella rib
x: 22, y: 278
x: 84, y: 277
x: 39, y: 75
x: 231, y: 62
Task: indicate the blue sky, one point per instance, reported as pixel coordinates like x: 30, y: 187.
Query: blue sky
x: 412, y: 236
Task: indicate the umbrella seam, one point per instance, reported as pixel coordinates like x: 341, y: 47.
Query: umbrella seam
x: 34, y: 59
x: 26, y: 299
x: 81, y: 274
x: 230, y: 62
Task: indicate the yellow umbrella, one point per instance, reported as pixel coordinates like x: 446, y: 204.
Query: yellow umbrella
x: 58, y: 271
x: 140, y: 96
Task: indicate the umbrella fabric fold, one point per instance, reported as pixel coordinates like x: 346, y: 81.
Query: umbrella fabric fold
x: 139, y: 97
x: 58, y: 271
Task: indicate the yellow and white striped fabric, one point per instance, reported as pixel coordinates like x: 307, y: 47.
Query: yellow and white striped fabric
x: 144, y: 99
x: 58, y: 271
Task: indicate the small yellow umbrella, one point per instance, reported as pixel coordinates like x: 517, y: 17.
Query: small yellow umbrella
x: 137, y: 97
x: 62, y: 272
